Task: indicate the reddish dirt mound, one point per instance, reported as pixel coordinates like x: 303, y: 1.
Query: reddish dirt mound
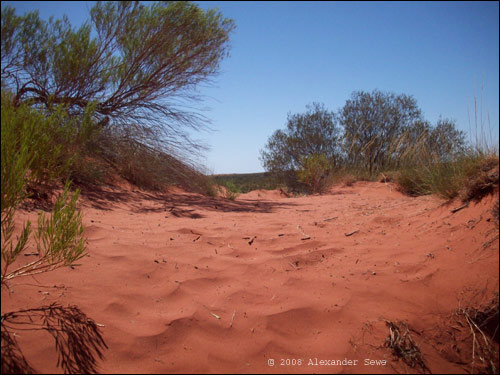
x: 184, y: 283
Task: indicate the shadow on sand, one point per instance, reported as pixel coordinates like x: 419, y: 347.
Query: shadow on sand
x: 179, y: 205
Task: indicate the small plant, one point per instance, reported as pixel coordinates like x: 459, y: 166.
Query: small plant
x: 59, y: 239
x: 229, y: 190
x: 30, y: 156
x: 316, y: 173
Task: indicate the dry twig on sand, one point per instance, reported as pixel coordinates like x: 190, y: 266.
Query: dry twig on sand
x: 351, y: 233
x: 306, y: 236
x: 232, y: 319
x: 330, y: 218
x: 459, y: 208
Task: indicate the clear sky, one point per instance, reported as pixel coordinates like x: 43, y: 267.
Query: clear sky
x: 285, y: 55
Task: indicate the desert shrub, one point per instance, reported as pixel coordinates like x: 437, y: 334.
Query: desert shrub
x: 481, y: 178
x: 316, y: 173
x: 27, y: 144
x: 59, y: 238
x: 232, y: 187
x: 443, y: 179
x: 148, y: 167
x: 226, y: 193
x: 50, y: 143
x: 410, y: 182
x: 78, y: 339
x: 132, y: 70
x: 89, y: 170
x: 246, y: 182
x: 314, y: 132
x: 471, y: 175
x: 209, y: 187
x: 374, y: 124
x: 348, y: 180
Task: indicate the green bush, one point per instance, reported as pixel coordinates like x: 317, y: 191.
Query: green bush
x: 316, y: 173
x: 468, y: 176
x: 229, y: 189
x: 59, y: 238
x: 31, y: 154
x: 245, y: 182
x: 51, y: 143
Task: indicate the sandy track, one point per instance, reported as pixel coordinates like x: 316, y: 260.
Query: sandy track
x: 184, y: 283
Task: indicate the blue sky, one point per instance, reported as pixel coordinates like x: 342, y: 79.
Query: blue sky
x: 285, y: 55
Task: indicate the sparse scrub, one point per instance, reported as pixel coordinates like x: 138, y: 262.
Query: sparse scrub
x: 315, y: 132
x: 374, y: 133
x: 246, y: 182
x: 481, y: 178
x: 229, y: 190
x: 377, y: 128
x: 481, y: 325
x: 471, y: 176
x: 348, y: 180
x: 316, y: 173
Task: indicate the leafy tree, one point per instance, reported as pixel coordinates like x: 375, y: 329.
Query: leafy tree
x: 137, y: 67
x: 314, y: 132
x: 446, y: 141
x: 377, y: 128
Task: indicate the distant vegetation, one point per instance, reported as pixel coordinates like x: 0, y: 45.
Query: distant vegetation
x: 380, y: 136
x: 245, y: 182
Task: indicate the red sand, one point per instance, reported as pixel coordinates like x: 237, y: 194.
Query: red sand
x: 160, y: 268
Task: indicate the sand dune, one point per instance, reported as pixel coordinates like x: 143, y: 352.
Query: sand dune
x: 185, y: 283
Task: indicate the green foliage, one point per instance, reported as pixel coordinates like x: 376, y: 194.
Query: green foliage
x: 50, y: 143
x: 30, y: 155
x: 245, y: 182
x: 378, y: 127
x: 378, y: 132
x: 16, y: 157
x: 231, y: 186
x: 468, y: 175
x: 229, y: 189
x: 59, y: 238
x: 131, y: 69
x: 314, y: 132
x: 316, y: 173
